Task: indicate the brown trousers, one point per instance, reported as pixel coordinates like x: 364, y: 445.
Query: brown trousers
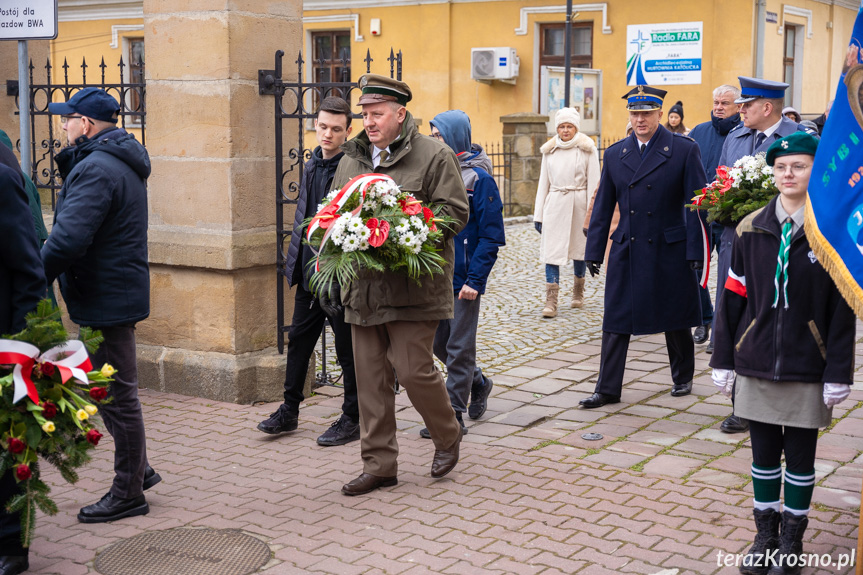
x: 407, y: 347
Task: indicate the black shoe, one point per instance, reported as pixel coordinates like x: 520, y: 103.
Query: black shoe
x: 151, y: 478
x: 424, y: 432
x: 479, y: 398
x: 111, y: 508
x: 598, y: 400
x: 734, y: 424
x: 283, y: 420
x: 342, y: 431
x: 709, y: 348
x: 701, y: 334
x: 681, y: 389
x: 13, y: 564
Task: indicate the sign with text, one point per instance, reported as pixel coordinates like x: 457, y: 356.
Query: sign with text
x: 664, y: 54
x: 28, y: 19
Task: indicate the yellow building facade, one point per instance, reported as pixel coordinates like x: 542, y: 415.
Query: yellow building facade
x: 802, y: 42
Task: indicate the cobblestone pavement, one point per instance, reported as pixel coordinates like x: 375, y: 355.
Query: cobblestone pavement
x: 663, y: 492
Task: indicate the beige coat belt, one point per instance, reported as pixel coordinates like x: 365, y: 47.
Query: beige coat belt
x: 567, y: 189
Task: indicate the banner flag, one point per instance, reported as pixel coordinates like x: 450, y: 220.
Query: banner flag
x: 834, y: 208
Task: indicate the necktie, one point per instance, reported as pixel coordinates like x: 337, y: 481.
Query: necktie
x: 641, y: 148
x: 759, y: 139
x: 782, y: 263
x: 382, y: 157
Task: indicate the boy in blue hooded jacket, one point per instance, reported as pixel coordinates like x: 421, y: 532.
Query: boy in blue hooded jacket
x: 476, y: 249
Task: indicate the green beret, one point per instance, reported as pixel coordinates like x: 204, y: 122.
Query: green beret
x: 796, y: 143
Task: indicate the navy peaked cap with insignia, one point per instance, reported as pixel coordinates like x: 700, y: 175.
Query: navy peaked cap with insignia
x: 796, y: 143
x: 754, y: 88
x: 644, y: 98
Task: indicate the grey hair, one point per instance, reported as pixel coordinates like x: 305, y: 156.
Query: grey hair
x: 727, y: 88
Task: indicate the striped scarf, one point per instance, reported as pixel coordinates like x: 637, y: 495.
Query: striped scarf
x: 782, y: 263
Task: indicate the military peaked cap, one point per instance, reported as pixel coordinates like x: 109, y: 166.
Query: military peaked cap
x: 376, y: 88
x: 644, y: 98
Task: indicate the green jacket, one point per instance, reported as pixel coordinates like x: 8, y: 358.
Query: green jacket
x: 430, y: 171
x: 32, y: 196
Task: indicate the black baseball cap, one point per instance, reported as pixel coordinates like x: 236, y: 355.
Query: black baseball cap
x: 92, y: 102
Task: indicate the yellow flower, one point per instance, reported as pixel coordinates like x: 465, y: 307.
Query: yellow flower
x: 82, y: 415
x: 108, y: 370
x: 48, y: 427
x: 91, y: 409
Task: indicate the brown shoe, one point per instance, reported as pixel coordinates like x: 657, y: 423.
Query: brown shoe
x: 366, y: 483
x: 445, y: 459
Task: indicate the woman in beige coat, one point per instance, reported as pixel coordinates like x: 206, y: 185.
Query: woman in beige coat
x: 570, y: 173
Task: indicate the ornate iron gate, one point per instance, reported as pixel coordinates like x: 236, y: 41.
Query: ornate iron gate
x: 297, y: 102
x: 45, y: 143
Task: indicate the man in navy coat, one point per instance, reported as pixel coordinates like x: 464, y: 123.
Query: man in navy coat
x: 651, y: 175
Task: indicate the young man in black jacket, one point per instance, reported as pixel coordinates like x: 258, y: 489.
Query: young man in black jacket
x: 332, y: 127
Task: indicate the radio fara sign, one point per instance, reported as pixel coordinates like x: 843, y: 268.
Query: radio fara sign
x: 28, y: 19
x: 664, y: 54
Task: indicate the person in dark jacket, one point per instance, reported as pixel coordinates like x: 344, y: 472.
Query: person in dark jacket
x: 22, y: 285
x: 650, y: 286
x: 332, y: 127
x: 788, y: 334
x: 724, y: 117
x: 98, y: 251
x: 763, y: 123
x: 476, y: 249
x: 33, y: 198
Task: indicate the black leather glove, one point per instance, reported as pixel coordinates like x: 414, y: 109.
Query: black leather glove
x: 593, y: 268
x: 538, y: 226
x: 696, y: 265
x: 330, y: 300
x: 584, y: 231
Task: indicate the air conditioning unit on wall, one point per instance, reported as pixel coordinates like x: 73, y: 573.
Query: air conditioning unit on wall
x: 487, y: 64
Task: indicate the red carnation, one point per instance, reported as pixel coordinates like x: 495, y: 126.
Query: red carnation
x: 93, y: 437
x: 49, y: 410
x: 22, y: 472
x: 380, y: 231
x: 98, y: 393
x: 327, y: 216
x: 47, y: 369
x: 16, y: 446
x: 411, y: 206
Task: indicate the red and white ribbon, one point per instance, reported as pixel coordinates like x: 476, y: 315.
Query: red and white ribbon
x: 705, y: 237
x: 360, y: 183
x: 24, y: 357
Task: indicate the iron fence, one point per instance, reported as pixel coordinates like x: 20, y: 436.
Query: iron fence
x: 45, y: 140
x: 501, y: 163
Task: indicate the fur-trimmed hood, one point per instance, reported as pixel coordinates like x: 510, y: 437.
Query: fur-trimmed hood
x: 582, y: 142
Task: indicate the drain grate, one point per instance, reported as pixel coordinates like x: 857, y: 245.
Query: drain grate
x: 185, y: 551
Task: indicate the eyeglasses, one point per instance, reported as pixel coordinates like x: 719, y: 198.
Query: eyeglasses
x: 64, y: 119
x: 795, y: 169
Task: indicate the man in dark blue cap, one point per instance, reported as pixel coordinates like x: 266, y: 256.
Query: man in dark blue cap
x: 763, y: 123
x: 98, y: 251
x: 650, y: 287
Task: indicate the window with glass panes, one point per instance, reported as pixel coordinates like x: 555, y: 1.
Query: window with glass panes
x: 331, y: 58
x: 552, y: 38
x: 136, y: 75
x: 788, y: 61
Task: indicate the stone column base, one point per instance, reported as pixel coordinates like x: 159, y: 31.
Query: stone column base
x: 246, y: 378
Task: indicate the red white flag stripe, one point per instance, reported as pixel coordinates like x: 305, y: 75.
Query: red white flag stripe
x: 736, y: 283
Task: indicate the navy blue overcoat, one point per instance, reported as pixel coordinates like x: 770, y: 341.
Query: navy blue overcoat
x: 650, y: 287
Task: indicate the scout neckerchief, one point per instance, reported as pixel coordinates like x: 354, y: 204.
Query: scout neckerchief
x: 782, y: 262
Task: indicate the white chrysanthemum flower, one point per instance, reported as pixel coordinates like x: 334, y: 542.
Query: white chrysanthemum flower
x: 364, y: 232
x: 355, y: 224
x: 351, y: 243
x: 403, y: 227
x: 407, y: 239
x: 390, y: 201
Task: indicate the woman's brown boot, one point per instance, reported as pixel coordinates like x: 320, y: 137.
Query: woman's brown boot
x: 550, y: 309
x: 577, y: 293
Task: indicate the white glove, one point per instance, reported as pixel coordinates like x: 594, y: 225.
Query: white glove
x: 724, y: 380
x: 836, y: 393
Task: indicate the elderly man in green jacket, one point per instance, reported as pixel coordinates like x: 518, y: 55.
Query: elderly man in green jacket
x: 393, y: 320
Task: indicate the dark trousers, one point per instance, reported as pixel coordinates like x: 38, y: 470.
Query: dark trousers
x: 122, y: 415
x: 769, y: 441
x: 306, y: 326
x: 612, y: 362
x: 10, y: 523
x: 455, y: 345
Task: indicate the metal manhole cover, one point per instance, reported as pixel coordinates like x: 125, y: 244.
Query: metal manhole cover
x: 592, y: 436
x: 185, y: 551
